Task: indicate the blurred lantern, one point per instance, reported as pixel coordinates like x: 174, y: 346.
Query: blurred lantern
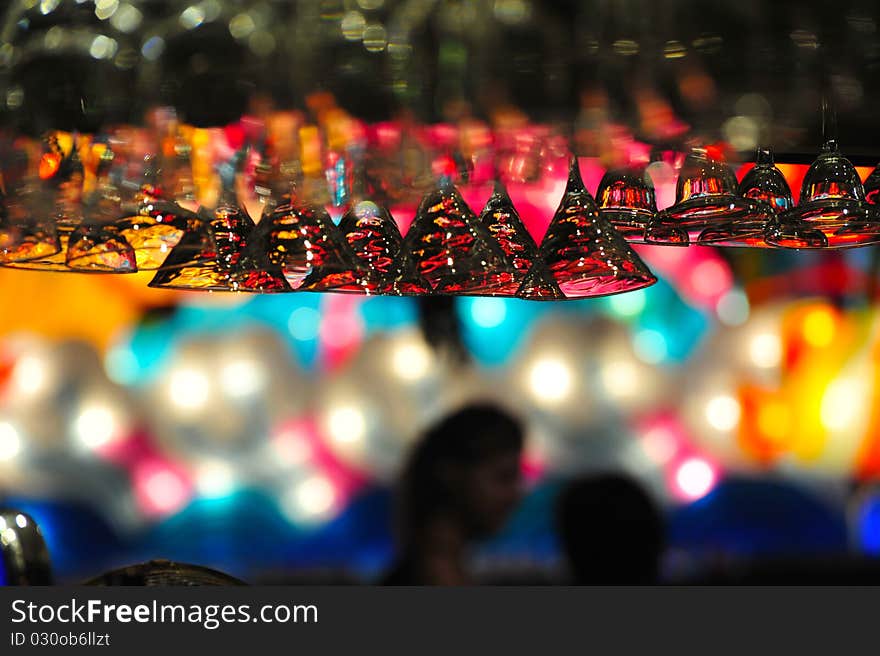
x: 224, y: 394
x: 747, y: 518
x: 369, y: 426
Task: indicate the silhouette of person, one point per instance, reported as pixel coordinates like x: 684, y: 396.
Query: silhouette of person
x: 460, y: 484
x: 611, y: 531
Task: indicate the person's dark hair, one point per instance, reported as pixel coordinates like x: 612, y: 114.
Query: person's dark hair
x: 464, y: 439
x: 611, y: 530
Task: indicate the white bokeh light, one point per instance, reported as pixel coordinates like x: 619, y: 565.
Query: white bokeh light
x: 733, y: 308
x: 30, y: 375
x: 95, y: 426
x: 188, y: 389
x: 346, y: 425
x: 694, y: 478
x: 841, y: 404
x: 411, y: 361
x: 241, y: 378
x: 550, y: 380
x: 10, y: 441
x: 311, y: 500
x: 620, y: 378
x: 723, y: 412
x: 765, y: 350
x: 215, y: 479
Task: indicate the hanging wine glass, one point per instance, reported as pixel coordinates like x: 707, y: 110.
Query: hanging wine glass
x: 765, y: 184
x: 95, y: 246
x: 228, y: 264
x: 153, y: 225
x: 373, y: 235
x: 626, y: 200
x: 10, y: 228
x: 832, y: 202
x: 503, y: 223
x: 58, y: 197
x: 872, y: 186
x: 26, y: 231
x: 447, y: 250
x: 707, y: 207
x: 582, y: 253
x: 301, y: 240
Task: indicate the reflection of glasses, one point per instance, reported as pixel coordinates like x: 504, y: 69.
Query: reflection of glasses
x: 832, y: 204
x: 68, y: 240
x: 92, y: 247
x: 26, y: 233
x: 150, y: 222
x: 581, y: 255
x: 707, y: 207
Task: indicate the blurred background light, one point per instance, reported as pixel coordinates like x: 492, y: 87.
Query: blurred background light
x: 550, y: 380
x: 694, y: 478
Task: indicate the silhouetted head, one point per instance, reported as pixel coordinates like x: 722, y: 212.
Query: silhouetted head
x: 611, y: 530
x: 466, y: 469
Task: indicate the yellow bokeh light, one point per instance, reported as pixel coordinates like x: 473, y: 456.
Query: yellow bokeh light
x: 819, y: 327
x: 774, y: 420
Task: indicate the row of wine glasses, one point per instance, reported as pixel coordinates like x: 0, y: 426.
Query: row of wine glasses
x: 122, y: 226
x: 447, y: 250
x: 85, y: 212
x: 835, y: 210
